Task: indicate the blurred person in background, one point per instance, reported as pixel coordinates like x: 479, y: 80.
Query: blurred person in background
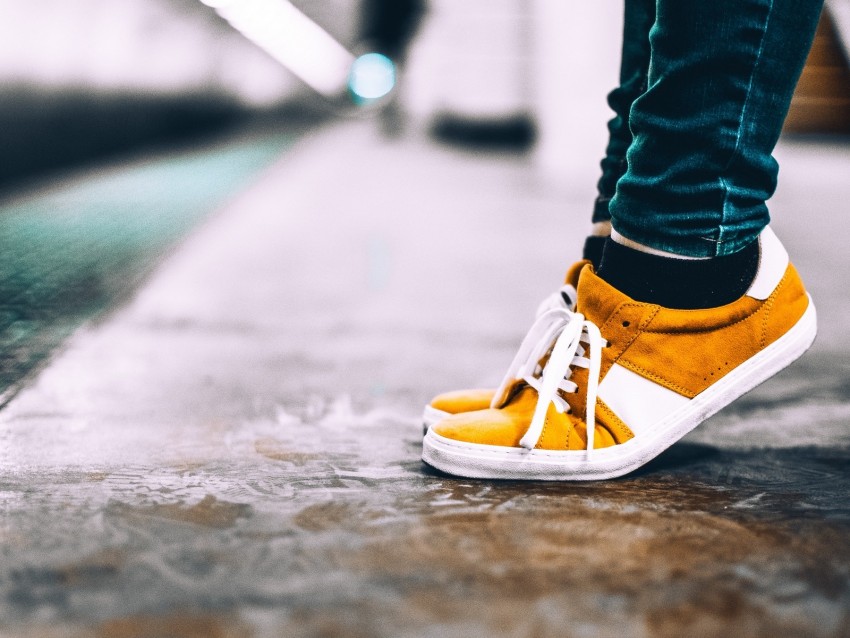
x: 387, y: 27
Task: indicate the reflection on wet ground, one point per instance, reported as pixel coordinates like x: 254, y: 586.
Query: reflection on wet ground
x: 236, y: 452
x: 328, y: 524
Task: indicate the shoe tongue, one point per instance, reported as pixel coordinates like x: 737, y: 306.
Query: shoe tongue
x: 597, y: 299
x: 523, y: 398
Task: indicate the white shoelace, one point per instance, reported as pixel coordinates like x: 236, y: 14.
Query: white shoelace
x: 567, y: 330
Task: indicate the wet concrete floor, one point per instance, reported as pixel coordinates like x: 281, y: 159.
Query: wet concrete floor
x: 235, y: 450
x: 82, y: 242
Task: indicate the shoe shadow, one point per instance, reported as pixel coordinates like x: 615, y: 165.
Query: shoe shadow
x: 680, y: 456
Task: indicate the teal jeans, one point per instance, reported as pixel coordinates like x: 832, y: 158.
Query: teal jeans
x: 704, y: 90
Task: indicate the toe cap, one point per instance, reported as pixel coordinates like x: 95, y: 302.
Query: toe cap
x: 463, y: 400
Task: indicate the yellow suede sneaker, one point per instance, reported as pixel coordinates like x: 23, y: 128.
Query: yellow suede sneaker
x: 470, y: 400
x: 456, y: 402
x: 642, y: 374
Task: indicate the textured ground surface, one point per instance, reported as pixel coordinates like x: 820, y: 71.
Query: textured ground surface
x: 235, y: 450
x: 76, y: 247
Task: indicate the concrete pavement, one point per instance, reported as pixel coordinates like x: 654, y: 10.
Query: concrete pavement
x: 235, y: 451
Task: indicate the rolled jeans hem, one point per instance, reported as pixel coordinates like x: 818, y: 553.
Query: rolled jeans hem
x: 700, y: 167
x: 688, y: 245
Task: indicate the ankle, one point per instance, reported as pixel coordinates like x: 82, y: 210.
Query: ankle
x: 593, y: 248
x: 678, y: 282
x: 595, y: 242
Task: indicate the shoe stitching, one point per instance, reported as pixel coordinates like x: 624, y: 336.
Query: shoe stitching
x: 765, y: 306
x: 570, y: 429
x: 672, y: 385
x: 515, y: 451
x: 645, y: 327
x: 615, y: 316
x: 616, y: 423
x: 768, y: 304
x: 698, y: 331
x: 539, y: 445
x: 619, y: 311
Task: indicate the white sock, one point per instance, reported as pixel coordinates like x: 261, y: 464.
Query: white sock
x: 629, y: 243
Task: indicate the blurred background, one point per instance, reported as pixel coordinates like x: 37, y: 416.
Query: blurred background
x: 125, y: 123
x: 83, y: 80
x: 97, y: 77
x: 94, y: 84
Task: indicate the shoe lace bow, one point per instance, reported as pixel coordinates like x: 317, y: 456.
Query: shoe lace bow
x: 545, y: 360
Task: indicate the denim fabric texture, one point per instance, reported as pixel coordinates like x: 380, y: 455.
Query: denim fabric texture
x: 634, y: 65
x: 718, y: 86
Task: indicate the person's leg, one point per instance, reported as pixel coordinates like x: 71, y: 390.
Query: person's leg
x: 599, y: 392
x: 639, y: 15
x: 720, y: 82
x: 700, y: 166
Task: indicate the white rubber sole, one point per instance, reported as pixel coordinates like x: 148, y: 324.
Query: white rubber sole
x: 430, y: 416
x: 475, y: 460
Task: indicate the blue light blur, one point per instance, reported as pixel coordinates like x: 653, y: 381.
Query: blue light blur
x: 372, y: 77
